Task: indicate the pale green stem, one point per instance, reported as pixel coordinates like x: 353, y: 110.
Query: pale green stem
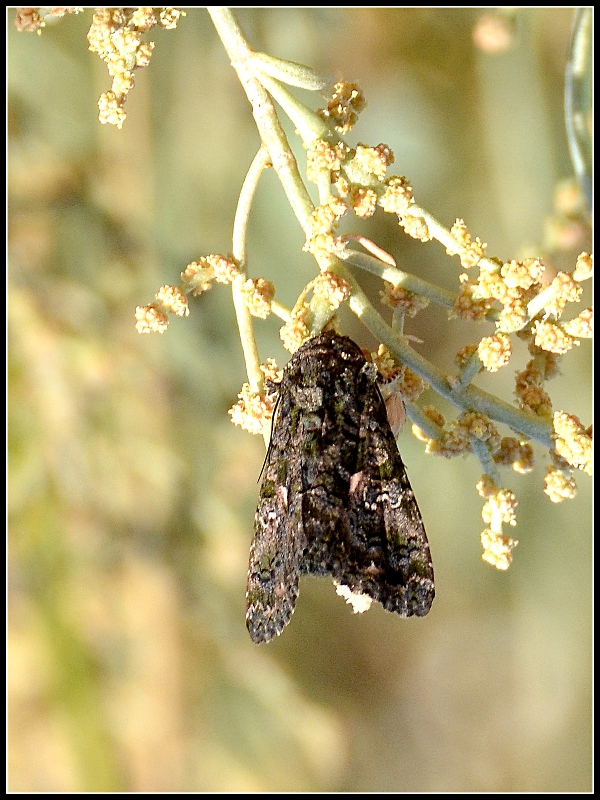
x: 422, y: 421
x: 251, y: 356
x: 265, y: 116
x: 244, y: 321
x: 482, y: 451
x: 398, y: 277
x: 309, y: 125
x: 324, y: 186
x: 398, y: 321
x: 281, y: 311
x: 244, y: 205
x: 239, y: 238
x: 470, y: 370
x: 292, y: 73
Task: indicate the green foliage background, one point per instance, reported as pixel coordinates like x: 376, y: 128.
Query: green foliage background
x: 131, y: 496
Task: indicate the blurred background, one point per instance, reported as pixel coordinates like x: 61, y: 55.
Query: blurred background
x: 131, y: 495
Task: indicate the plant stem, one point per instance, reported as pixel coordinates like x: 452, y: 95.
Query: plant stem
x: 398, y: 277
x: 260, y: 162
x: 239, y: 237
x: 265, y: 116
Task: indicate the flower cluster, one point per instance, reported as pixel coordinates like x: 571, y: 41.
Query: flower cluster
x: 295, y: 332
x: 519, y: 288
x: 34, y: 19
x: 362, y: 201
x: 373, y: 160
x: 116, y: 35
x: 150, y: 319
x: 551, y: 337
x: 470, y: 251
x: 572, y: 442
x: 258, y: 294
x: 273, y: 374
x: 532, y: 306
x: 332, y: 288
x: 321, y: 240
x: 559, y: 484
x: 498, y: 510
x: 410, y: 303
x: 582, y: 326
x: 410, y: 386
x: 516, y: 453
x: 322, y: 156
x: 397, y: 378
x: 326, y: 217
x: 253, y: 411
x: 583, y: 268
x: 344, y: 106
x: 397, y: 196
x: 359, y: 178
x: 495, y: 351
x: 469, y: 304
x: 387, y: 366
x: 415, y: 227
x: 153, y: 318
x: 196, y: 278
x: 470, y: 427
x: 531, y: 395
x: 464, y: 357
x: 497, y: 548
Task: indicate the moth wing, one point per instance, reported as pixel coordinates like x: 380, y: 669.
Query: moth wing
x: 273, y: 571
x: 390, y: 559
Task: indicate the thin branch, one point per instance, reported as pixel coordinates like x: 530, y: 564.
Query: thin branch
x: 265, y: 116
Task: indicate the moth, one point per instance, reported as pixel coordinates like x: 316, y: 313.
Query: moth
x: 335, y: 498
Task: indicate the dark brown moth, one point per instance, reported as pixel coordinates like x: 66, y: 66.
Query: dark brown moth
x: 335, y: 498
